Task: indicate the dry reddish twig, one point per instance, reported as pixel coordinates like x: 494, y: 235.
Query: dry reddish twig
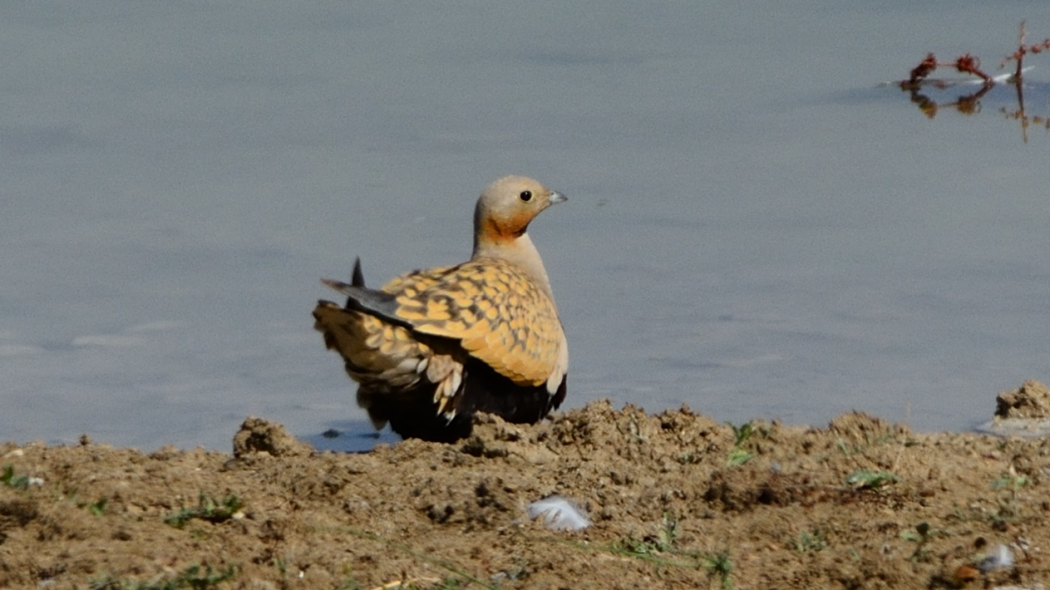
x: 1022, y: 49
x: 966, y: 64
x: 969, y: 64
x: 925, y: 68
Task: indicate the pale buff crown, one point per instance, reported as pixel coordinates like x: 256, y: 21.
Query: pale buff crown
x: 501, y: 221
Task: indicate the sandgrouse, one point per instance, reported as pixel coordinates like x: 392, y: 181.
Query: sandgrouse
x: 432, y: 347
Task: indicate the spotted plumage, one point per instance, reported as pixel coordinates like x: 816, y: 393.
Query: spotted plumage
x: 432, y: 347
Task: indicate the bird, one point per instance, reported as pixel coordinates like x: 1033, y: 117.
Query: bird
x: 431, y: 347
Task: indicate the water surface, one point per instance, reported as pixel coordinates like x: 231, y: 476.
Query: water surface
x: 755, y: 227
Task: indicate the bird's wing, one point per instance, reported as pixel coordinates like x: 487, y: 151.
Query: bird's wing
x: 498, y: 313
x: 418, y: 280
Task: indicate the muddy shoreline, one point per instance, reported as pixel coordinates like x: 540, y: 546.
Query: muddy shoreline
x: 675, y: 500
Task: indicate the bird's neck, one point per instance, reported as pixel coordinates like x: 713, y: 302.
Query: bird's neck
x: 519, y: 251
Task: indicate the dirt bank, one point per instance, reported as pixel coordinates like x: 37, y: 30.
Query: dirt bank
x: 675, y: 499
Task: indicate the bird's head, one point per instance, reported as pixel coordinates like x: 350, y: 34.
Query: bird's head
x: 506, y: 208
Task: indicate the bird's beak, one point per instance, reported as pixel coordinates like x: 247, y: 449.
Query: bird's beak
x: 556, y: 197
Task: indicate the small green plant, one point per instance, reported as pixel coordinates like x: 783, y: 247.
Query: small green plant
x: 662, y: 550
x: 663, y: 542
x: 920, y: 537
x: 9, y: 479
x: 449, y: 583
x: 719, y: 566
x: 741, y: 435
x: 1010, y: 484
x: 207, y: 509
x: 99, y: 507
x: 668, y: 534
x: 843, y: 447
x: 849, y: 449
x: 1010, y: 481
x: 191, y: 577
x: 738, y: 457
x: 809, y: 542
x: 634, y: 547
x: 282, y: 566
x: 866, y: 479
x: 351, y: 584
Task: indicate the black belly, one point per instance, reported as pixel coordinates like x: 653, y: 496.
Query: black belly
x: 413, y: 413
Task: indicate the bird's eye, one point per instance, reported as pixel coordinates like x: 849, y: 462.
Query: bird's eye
x: 526, y: 196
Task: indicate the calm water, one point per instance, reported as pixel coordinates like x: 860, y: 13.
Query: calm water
x: 755, y: 227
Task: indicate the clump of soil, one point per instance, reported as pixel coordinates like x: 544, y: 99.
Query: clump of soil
x: 1030, y: 400
x: 676, y: 500
x: 1024, y: 411
x: 258, y: 436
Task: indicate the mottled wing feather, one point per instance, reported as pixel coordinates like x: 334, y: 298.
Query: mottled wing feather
x: 417, y: 280
x: 382, y: 356
x: 497, y: 312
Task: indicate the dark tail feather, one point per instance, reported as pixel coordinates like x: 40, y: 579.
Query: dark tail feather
x: 358, y: 297
x: 380, y: 304
x: 357, y: 278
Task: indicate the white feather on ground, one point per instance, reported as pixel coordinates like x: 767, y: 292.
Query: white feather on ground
x: 1003, y: 558
x: 560, y: 514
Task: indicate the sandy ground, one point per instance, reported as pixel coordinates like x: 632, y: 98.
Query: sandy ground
x: 675, y: 500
